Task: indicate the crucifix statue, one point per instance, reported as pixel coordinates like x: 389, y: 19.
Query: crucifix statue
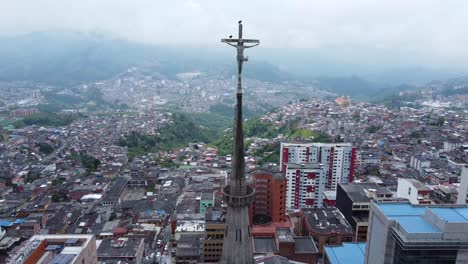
x: 237, y: 194
x: 240, y: 46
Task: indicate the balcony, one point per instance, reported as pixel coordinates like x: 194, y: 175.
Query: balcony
x: 238, y: 200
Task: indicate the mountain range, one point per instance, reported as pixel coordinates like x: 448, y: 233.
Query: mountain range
x: 64, y: 58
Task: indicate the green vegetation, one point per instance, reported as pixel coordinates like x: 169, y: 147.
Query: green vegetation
x: 213, y: 123
x: 181, y: 132
x: 226, y: 109
x: 89, y: 162
x: 166, y: 163
x: 57, y: 181
x: 441, y: 121
x: 32, y: 176
x: 263, y: 129
x: 150, y: 188
x: 416, y: 134
x: 356, y: 116
x: 45, y: 148
x: 57, y: 102
x: 92, y: 99
x: 223, y: 144
x: 396, y: 101
x: 60, y: 196
x: 46, y: 119
x: 304, y: 133
x: 256, y: 128
x: 138, y: 144
x: 268, y: 154
x: 373, y: 129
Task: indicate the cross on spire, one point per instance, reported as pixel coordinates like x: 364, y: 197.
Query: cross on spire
x: 237, y: 246
x: 239, y: 44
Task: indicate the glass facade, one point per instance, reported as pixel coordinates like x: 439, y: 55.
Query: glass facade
x: 423, y: 256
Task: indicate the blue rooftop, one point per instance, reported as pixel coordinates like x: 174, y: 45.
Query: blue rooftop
x: 450, y: 215
x: 462, y: 211
x: 20, y: 221
x: 416, y: 224
x: 396, y: 209
x: 5, y: 223
x: 410, y: 217
x: 347, y: 253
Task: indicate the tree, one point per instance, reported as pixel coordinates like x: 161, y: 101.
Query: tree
x: 45, y: 148
x: 441, y: 121
x: 59, y: 196
x: 32, y: 176
x: 89, y: 162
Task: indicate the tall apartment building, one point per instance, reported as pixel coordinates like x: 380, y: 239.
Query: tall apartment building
x: 406, y: 233
x: 22, y: 112
x: 305, y: 185
x: 270, y: 197
x: 338, y: 159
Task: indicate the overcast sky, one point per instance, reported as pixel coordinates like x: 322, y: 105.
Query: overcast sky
x: 423, y: 28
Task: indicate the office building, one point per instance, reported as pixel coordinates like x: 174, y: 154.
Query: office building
x: 406, y: 233
x: 354, y: 199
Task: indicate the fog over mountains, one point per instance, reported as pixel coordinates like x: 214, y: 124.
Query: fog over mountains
x: 64, y: 58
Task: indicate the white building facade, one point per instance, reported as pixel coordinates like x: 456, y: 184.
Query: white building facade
x: 338, y: 159
x: 414, y: 191
x: 305, y: 185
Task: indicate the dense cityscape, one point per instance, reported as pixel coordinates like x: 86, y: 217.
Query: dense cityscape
x: 77, y: 181
x: 119, y: 146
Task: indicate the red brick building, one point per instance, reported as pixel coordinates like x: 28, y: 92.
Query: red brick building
x: 270, y: 197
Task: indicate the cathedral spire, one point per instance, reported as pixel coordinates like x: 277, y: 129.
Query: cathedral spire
x: 237, y: 247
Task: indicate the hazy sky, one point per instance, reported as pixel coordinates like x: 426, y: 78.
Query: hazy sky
x: 423, y: 28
